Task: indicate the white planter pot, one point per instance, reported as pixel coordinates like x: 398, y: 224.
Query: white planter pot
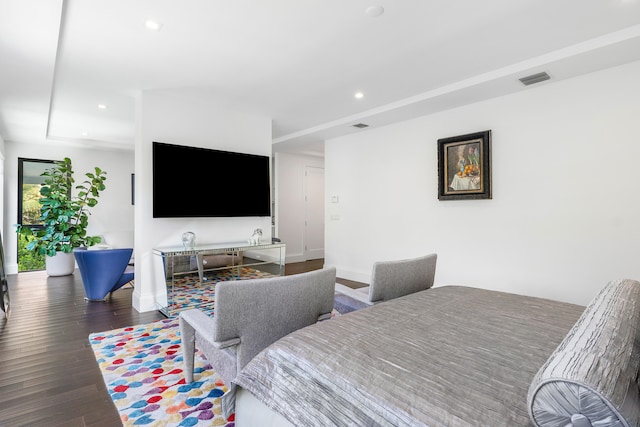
x: 61, y: 264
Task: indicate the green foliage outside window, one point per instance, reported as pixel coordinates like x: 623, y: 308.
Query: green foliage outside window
x: 31, y: 204
x: 28, y: 260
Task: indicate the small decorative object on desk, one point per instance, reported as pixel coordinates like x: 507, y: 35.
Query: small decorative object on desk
x: 256, y: 236
x: 189, y: 240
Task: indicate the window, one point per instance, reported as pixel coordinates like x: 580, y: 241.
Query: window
x: 29, y: 183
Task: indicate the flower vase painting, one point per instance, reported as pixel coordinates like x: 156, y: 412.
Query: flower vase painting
x: 464, y: 167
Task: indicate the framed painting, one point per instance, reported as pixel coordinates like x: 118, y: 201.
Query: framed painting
x: 464, y: 166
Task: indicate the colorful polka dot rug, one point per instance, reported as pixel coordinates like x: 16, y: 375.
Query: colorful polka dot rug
x: 142, y: 368
x: 188, y: 291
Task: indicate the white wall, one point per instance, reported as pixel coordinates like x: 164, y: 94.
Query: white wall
x: 2, y: 191
x: 113, y: 213
x: 193, y: 118
x: 566, y: 194
x: 290, y: 197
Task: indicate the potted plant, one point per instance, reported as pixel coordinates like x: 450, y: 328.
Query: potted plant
x: 65, y: 216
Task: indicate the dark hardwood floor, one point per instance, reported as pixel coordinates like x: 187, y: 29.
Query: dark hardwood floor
x: 48, y: 373
x: 301, y: 267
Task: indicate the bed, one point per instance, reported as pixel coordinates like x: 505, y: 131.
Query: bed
x: 453, y: 356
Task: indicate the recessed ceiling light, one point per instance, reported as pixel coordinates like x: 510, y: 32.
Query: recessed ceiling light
x: 359, y: 95
x: 153, y: 25
x: 102, y: 106
x: 374, y: 11
x: 85, y: 134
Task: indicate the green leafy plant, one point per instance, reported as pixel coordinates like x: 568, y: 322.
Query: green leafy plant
x: 65, y: 216
x: 29, y: 260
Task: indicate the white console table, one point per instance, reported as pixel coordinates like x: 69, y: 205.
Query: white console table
x: 175, y: 264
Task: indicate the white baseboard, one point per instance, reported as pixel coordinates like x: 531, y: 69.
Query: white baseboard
x: 356, y: 276
x: 145, y: 304
x: 294, y: 258
x: 11, y: 268
x: 360, y: 294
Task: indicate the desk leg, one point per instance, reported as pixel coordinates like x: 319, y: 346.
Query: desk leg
x: 199, y: 260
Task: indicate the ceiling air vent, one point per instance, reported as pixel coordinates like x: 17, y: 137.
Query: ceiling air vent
x: 360, y: 125
x: 535, y: 78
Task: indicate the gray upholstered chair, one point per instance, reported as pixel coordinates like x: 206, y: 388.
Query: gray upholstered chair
x: 249, y: 315
x: 393, y: 279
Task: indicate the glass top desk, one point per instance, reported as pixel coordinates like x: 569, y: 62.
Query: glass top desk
x: 190, y: 274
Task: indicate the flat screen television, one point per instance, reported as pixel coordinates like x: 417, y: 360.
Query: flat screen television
x: 202, y: 182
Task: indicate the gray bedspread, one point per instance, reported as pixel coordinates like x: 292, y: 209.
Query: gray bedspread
x: 447, y: 356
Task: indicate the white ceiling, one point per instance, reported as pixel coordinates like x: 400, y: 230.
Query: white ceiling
x: 297, y: 61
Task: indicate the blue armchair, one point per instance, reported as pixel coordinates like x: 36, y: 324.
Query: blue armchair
x: 103, y: 271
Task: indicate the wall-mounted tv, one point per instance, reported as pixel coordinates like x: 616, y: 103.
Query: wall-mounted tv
x: 202, y: 182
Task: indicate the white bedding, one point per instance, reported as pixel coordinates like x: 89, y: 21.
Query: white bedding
x: 250, y: 412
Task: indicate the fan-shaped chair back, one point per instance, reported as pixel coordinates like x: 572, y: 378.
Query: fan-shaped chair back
x: 104, y: 271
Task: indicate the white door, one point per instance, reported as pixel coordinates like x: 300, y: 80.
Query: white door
x: 314, y: 213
